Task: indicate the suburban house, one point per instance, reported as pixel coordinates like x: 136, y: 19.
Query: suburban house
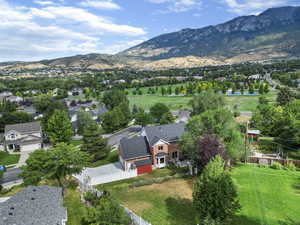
x: 23, y: 136
x: 156, y: 147
x: 35, y: 205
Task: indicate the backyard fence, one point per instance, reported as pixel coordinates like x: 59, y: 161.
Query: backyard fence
x: 269, y: 161
x: 86, y: 186
x: 136, y: 220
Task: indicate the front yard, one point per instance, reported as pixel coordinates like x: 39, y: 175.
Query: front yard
x: 8, y: 159
x: 267, y: 196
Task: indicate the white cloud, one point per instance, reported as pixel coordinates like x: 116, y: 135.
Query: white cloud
x: 44, y: 2
x: 106, y: 5
x: 252, y: 6
x: 93, y: 22
x: 52, y: 31
x: 178, y: 5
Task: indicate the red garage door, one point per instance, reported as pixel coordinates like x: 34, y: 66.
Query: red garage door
x: 144, y: 169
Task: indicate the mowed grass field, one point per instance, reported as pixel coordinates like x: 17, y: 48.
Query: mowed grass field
x: 244, y: 103
x: 267, y: 196
x: 8, y: 159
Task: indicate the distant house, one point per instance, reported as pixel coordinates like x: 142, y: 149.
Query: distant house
x: 15, y: 99
x: 297, y: 83
x: 23, y: 136
x: 255, y: 77
x: 6, y: 94
x: 35, y: 205
x: 155, y: 148
x: 181, y: 116
x: 253, y: 134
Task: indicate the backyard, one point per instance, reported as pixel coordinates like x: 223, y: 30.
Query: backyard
x: 267, y: 196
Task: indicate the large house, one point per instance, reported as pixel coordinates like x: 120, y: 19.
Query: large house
x: 156, y: 147
x: 36, y: 205
x: 23, y: 136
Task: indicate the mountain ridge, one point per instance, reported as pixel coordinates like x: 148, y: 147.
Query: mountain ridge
x: 272, y: 34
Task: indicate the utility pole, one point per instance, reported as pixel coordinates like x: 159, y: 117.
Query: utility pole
x: 246, y: 141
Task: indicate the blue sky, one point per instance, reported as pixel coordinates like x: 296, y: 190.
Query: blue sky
x: 45, y: 29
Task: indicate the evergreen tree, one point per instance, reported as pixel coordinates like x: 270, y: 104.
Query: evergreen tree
x: 93, y: 142
x: 167, y: 118
x: 59, y: 127
x: 215, y: 195
x: 142, y: 118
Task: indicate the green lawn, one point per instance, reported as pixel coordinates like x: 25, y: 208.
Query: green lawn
x: 244, y: 103
x: 8, y: 159
x: 267, y: 196
x: 75, y: 207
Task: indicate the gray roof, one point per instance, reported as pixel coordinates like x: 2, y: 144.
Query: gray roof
x: 36, y: 205
x: 24, y: 128
x: 168, y: 133
x: 143, y: 162
x: 135, y: 147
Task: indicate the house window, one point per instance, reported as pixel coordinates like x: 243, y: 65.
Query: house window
x: 162, y: 160
x: 175, y: 155
x: 12, y: 136
x: 161, y: 147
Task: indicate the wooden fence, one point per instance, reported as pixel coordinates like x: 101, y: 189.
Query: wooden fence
x: 269, y: 161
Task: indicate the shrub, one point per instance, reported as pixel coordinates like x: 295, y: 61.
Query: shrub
x: 291, y: 167
x: 276, y: 166
x: 263, y: 166
x: 89, y: 196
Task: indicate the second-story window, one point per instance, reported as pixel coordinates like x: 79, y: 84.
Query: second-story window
x: 161, y: 147
x: 12, y: 136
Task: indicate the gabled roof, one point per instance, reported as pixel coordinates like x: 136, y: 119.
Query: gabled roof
x: 36, y: 205
x: 24, y: 128
x: 135, y: 147
x: 168, y: 133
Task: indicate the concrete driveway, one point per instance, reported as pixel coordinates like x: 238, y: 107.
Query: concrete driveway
x: 105, y: 174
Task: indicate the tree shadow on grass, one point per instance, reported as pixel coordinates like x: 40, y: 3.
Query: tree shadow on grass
x: 296, y: 186
x: 181, y: 211
x: 244, y: 220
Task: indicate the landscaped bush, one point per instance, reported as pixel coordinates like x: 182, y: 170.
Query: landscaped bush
x: 276, y: 166
x: 263, y: 165
x: 291, y: 167
x: 89, y: 196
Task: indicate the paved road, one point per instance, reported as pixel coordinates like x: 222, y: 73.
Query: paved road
x: 114, y: 139
x: 10, y: 176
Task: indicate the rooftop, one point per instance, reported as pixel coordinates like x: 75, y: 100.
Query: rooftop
x: 24, y: 127
x: 36, y: 205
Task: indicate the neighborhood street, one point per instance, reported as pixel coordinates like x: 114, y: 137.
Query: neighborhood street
x: 114, y: 139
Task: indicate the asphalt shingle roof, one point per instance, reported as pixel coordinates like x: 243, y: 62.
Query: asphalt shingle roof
x: 168, y: 133
x: 135, y: 147
x: 24, y: 128
x: 36, y: 205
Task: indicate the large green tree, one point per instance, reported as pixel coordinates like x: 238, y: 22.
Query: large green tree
x: 158, y: 110
x: 219, y: 122
x: 57, y: 163
x: 93, y: 142
x: 59, y: 128
x: 114, y: 98
x: 215, y: 195
x: 206, y: 100
x: 83, y: 118
x: 142, y: 118
x: 106, y: 212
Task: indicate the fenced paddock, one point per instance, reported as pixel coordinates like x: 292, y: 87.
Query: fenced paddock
x: 269, y: 161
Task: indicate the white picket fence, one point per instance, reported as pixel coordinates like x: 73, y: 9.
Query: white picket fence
x: 86, y: 186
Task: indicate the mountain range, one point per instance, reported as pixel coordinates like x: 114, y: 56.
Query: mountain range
x: 273, y: 34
